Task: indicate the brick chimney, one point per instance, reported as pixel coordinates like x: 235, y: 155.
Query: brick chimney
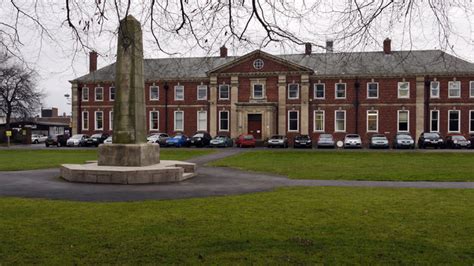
x: 92, y: 61
x: 329, y: 46
x: 223, y: 51
x: 307, y: 48
x: 387, y: 46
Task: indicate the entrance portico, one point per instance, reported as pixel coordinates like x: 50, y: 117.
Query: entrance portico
x: 258, y: 119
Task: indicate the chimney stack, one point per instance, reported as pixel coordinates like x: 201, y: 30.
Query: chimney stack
x: 307, y: 48
x: 329, y: 46
x: 92, y: 61
x: 387, y: 46
x: 223, y: 51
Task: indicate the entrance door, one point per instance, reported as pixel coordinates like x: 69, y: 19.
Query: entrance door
x: 255, y: 125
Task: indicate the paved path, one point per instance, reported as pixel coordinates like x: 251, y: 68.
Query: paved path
x: 211, y: 181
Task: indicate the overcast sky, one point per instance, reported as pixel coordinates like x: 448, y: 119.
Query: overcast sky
x: 58, y: 59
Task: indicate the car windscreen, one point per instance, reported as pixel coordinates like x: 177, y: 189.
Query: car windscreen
x: 178, y: 136
x: 220, y: 137
x: 277, y: 137
x: 459, y: 138
x: 96, y: 136
x: 404, y: 137
x: 431, y: 135
x: 353, y: 136
x: 379, y: 138
x: 302, y: 137
x: 199, y: 135
x: 76, y: 137
x: 248, y: 137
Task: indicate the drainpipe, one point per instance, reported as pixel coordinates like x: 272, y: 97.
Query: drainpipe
x: 79, y: 110
x: 166, y: 107
x: 356, y: 104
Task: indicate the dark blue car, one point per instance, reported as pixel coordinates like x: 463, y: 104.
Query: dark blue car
x: 177, y: 141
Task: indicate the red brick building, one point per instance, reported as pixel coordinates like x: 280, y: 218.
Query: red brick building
x: 309, y: 93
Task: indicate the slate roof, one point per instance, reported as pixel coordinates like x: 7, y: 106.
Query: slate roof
x: 426, y: 62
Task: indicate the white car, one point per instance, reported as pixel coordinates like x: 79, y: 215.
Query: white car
x: 108, y: 140
x: 77, y: 140
x: 352, y: 141
x: 158, y: 138
x: 35, y: 138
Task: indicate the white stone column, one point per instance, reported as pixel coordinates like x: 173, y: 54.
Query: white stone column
x: 74, y: 108
x: 420, y: 106
x: 234, y: 98
x: 282, y: 105
x: 213, y: 106
x: 304, y: 112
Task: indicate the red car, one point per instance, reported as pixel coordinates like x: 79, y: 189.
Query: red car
x: 245, y: 140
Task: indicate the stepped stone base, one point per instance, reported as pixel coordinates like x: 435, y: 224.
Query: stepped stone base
x: 129, y: 154
x: 164, y: 172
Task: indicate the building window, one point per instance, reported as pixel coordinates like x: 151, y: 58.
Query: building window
x: 471, y: 89
x: 179, y: 121
x: 471, y: 122
x: 223, y: 92
x: 454, y: 120
x: 454, y: 89
x: 293, y: 91
x: 154, y: 120
x: 403, y: 89
x: 319, y: 121
x: 434, y: 89
x: 258, y: 64
x: 154, y: 93
x: 179, y: 93
x: 340, y: 90
x: 202, y: 120
x: 403, y: 121
x: 372, y: 90
x: 257, y: 91
x: 293, y: 120
x: 85, y: 94
x: 85, y: 120
x: 111, y: 120
x: 99, y: 120
x: 112, y: 94
x: 99, y: 94
x: 372, y: 121
x: 340, y: 121
x: 223, y: 120
x: 202, y: 92
x: 319, y: 91
x: 434, y: 121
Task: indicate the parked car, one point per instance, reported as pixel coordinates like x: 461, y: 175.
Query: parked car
x: 178, y: 141
x: 302, y: 141
x: 245, y: 140
x: 430, y: 139
x: 277, y: 141
x: 57, y: 140
x: 471, y: 139
x: 108, y: 140
x: 378, y: 141
x: 96, y: 139
x: 457, y: 142
x: 35, y: 138
x: 200, y: 139
x: 78, y: 140
x: 326, y: 141
x: 221, y: 141
x: 159, y: 138
x: 352, y: 141
x: 403, y: 140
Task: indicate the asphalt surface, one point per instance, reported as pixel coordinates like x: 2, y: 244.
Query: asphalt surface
x: 210, y: 181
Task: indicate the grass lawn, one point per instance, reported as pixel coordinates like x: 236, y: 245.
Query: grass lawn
x: 12, y: 160
x: 398, y: 166
x: 291, y: 225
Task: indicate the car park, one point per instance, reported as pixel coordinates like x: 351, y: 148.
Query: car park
x: 403, y: 141
x: 78, y: 140
x: 159, y: 138
x: 221, y: 141
x: 108, y: 140
x: 457, y: 142
x: 96, y: 139
x: 246, y: 140
x: 378, y: 141
x: 178, y: 141
x: 36, y: 138
x: 200, y: 139
x: 352, y: 141
x: 277, y: 141
x: 430, y: 139
x: 302, y: 141
x: 326, y: 141
x: 58, y: 140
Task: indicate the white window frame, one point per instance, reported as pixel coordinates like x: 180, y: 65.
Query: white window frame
x: 175, y: 92
x: 315, y: 91
x: 95, y: 120
x: 408, y: 90
x: 335, y: 120
x: 111, y: 120
x: 431, y: 120
x: 408, y: 120
x: 157, y: 93
x: 297, y: 120
x: 314, y: 120
x: 175, y: 128
x: 297, y: 91
x: 459, y: 121
x: 110, y: 93
x: 471, y: 89
x: 431, y: 89
x: 449, y: 89
x: 95, y: 94
x: 471, y: 117
x: 221, y: 86
x: 263, y: 91
x: 368, y: 85
x: 345, y: 90
x: 197, y: 121
x: 150, y: 121
x: 220, y: 120
x: 376, y: 113
x: 82, y: 96
x: 85, y: 126
x: 204, y: 88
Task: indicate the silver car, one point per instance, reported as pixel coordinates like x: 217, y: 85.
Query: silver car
x: 352, y: 141
x: 326, y: 141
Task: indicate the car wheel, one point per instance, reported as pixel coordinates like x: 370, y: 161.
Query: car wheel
x: 35, y: 142
x: 58, y: 145
x: 47, y: 145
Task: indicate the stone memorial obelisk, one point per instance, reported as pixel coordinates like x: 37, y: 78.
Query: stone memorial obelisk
x: 129, y: 146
